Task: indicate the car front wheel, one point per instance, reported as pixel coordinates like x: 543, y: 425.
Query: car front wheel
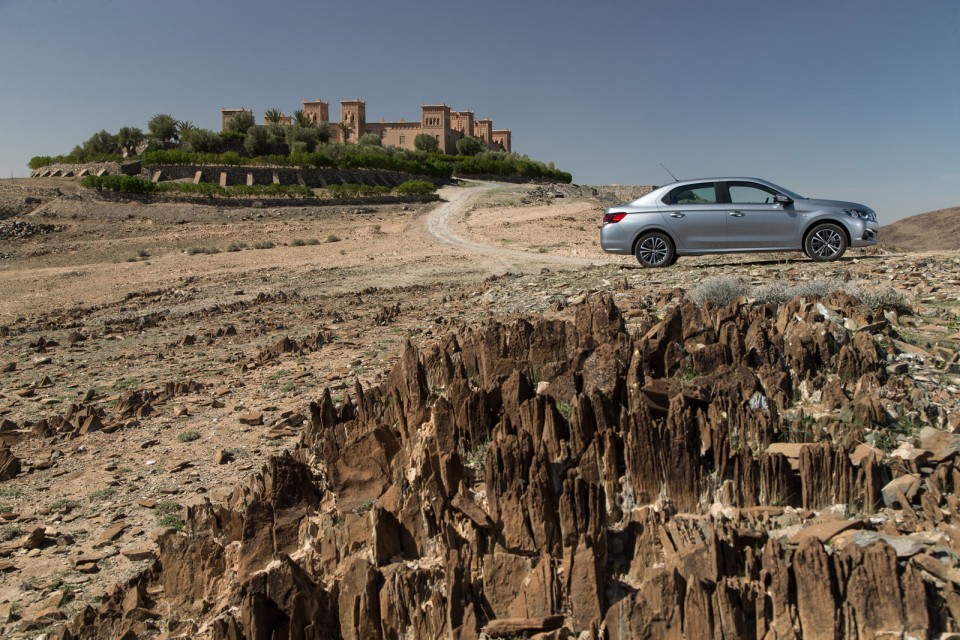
x: 825, y: 242
x: 655, y: 250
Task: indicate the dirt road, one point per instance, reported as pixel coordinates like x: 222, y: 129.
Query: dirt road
x: 446, y: 224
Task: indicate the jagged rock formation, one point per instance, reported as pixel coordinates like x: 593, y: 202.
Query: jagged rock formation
x: 545, y: 479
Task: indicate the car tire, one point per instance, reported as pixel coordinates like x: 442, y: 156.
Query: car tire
x: 655, y: 250
x: 825, y: 243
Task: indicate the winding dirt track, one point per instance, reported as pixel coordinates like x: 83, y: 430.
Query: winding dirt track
x: 441, y: 223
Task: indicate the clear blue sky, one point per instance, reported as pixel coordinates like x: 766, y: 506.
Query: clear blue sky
x: 851, y: 99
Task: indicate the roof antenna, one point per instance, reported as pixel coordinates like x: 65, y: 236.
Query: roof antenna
x: 668, y: 171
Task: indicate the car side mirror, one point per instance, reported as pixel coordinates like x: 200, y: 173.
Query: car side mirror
x: 782, y: 199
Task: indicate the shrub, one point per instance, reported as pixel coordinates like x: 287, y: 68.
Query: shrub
x: 121, y: 184
x: 187, y: 436
x: 168, y: 514
x: 333, y: 238
x: 168, y: 156
x: 192, y: 251
x: 40, y: 161
x: 355, y: 190
x: 502, y: 163
x: 265, y: 244
x: 204, y: 141
x: 10, y: 532
x: 207, y: 189
x: 426, y: 142
x: 719, y: 291
x: 101, y: 494
x: 415, y: 188
x: 370, y: 140
x: 882, y: 299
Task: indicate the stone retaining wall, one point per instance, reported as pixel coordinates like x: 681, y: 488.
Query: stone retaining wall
x: 148, y: 198
x: 245, y: 175
x: 91, y: 168
x: 227, y: 175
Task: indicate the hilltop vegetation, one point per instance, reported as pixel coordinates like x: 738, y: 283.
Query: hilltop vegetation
x: 303, y: 144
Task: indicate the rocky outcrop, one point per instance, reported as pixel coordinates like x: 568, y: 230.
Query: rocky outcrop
x: 567, y: 476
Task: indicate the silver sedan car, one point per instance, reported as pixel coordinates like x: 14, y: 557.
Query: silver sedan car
x: 731, y: 215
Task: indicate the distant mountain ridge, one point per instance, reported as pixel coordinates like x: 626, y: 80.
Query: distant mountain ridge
x: 932, y: 231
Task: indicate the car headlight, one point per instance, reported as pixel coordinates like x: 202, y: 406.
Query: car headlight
x: 863, y: 214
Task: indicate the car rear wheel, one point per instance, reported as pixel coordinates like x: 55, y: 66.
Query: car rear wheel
x: 825, y: 242
x: 655, y: 250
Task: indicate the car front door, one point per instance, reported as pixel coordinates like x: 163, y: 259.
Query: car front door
x: 756, y: 221
x: 696, y: 216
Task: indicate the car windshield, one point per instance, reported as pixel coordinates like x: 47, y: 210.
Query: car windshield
x: 787, y: 192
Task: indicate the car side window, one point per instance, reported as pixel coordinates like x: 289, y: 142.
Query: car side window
x: 750, y: 193
x: 703, y: 193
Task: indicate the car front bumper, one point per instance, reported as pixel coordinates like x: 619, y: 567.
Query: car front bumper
x: 867, y: 236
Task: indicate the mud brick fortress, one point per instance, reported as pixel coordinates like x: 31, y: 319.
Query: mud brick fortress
x: 439, y: 121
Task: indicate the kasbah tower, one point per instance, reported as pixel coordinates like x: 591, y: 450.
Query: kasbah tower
x: 439, y: 121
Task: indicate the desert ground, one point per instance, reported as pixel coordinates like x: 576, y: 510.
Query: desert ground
x: 154, y: 357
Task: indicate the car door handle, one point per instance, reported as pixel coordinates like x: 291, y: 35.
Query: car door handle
x: 736, y: 214
x: 677, y: 215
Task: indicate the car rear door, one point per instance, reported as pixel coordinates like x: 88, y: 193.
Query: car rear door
x: 756, y: 221
x: 696, y: 216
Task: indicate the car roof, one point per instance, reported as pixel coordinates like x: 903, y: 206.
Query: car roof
x: 720, y: 179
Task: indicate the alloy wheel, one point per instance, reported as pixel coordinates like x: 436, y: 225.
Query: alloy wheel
x: 653, y: 250
x: 826, y: 243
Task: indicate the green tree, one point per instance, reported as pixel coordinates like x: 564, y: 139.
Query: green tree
x: 162, y: 128
x: 129, y: 138
x: 323, y: 132
x: 344, y: 131
x: 308, y: 137
x: 370, y: 139
x: 241, y: 122
x: 203, y: 141
x: 273, y: 116
x: 259, y: 141
x: 469, y: 146
x: 426, y: 142
x: 101, y: 143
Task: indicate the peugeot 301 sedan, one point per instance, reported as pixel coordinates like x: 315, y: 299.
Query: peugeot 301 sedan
x: 733, y: 215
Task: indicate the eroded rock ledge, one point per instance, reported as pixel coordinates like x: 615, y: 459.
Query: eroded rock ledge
x: 549, y: 478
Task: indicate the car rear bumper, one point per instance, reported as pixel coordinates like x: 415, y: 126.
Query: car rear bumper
x: 613, y: 239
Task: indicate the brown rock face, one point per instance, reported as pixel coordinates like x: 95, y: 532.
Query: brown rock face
x: 641, y: 494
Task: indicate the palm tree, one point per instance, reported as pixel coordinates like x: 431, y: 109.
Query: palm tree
x: 301, y: 119
x: 184, y: 129
x: 273, y: 116
x: 344, y: 131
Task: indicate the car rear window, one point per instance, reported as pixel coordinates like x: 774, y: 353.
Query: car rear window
x: 701, y: 193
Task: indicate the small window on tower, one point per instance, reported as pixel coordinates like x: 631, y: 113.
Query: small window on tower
x: 403, y: 139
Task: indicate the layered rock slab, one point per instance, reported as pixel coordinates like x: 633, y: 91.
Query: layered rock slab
x: 636, y: 495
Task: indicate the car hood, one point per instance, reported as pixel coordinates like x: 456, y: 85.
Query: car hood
x: 814, y: 203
